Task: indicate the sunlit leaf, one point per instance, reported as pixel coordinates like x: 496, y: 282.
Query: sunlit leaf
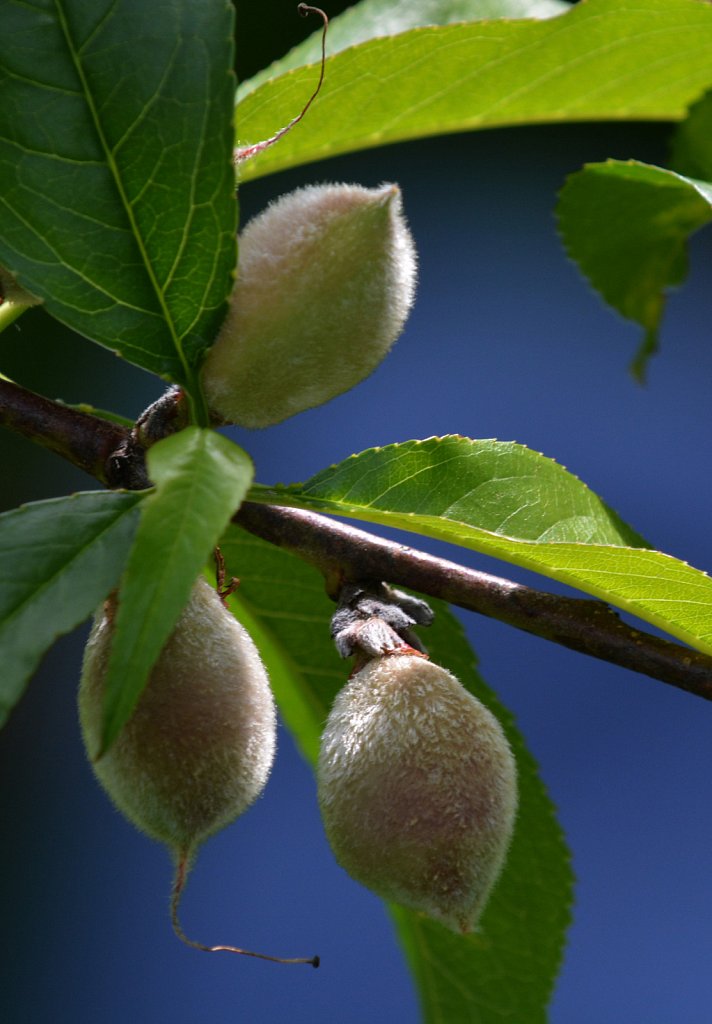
x: 603, y: 60
x: 507, y: 501
x: 370, y: 19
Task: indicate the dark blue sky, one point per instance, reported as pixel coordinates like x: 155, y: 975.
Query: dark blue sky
x: 505, y: 341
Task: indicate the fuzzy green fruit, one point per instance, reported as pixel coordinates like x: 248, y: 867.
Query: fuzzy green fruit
x: 199, y: 747
x: 417, y: 788
x: 326, y: 279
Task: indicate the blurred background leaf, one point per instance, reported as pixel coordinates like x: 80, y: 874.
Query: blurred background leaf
x: 627, y: 224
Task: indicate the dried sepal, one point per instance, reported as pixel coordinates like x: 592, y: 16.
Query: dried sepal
x: 373, y: 619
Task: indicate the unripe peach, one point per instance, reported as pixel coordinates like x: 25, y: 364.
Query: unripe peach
x: 325, y: 281
x: 417, y: 788
x: 198, y: 748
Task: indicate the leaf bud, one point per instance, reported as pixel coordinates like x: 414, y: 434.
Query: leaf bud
x: 417, y: 788
x: 325, y: 281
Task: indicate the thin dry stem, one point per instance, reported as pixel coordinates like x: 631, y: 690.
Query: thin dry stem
x: 243, y: 153
x: 224, y: 586
x: 181, y: 876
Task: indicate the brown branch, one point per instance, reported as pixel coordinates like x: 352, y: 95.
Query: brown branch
x: 84, y: 440
x: 343, y: 552
x: 114, y: 456
x: 104, y: 450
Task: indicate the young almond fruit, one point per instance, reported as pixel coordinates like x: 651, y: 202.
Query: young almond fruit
x: 417, y: 788
x: 199, y: 746
x: 325, y: 281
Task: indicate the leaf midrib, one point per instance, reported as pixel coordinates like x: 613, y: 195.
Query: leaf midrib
x: 118, y: 181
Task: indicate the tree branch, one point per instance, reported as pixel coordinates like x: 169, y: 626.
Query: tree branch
x: 84, y: 440
x: 104, y: 450
x: 343, y: 553
x: 115, y: 456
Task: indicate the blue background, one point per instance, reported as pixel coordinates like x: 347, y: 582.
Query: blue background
x: 505, y: 341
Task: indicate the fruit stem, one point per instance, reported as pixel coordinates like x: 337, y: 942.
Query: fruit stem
x: 9, y: 312
x: 178, y: 887
x: 224, y: 586
x: 246, y: 152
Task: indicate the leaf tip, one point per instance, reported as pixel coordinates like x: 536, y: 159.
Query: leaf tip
x: 649, y: 347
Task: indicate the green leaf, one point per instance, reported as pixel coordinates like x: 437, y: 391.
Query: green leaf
x: 691, y: 152
x: 504, y: 500
x: 626, y: 224
x: 603, y: 60
x: 116, y: 181
x: 282, y: 602
x: 372, y: 18
x: 505, y: 971
x: 58, y: 560
x: 201, y: 479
